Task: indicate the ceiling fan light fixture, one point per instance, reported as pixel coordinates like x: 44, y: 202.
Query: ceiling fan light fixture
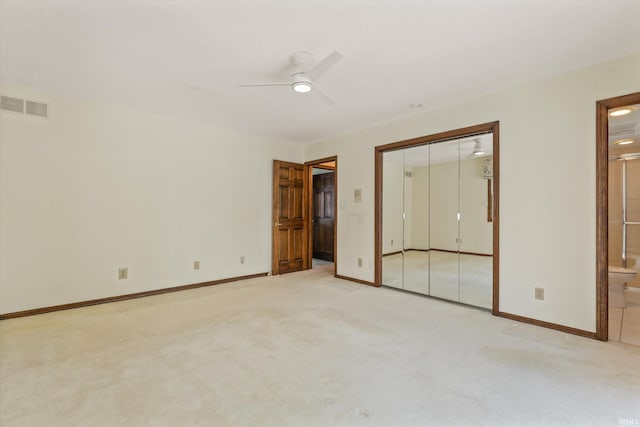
x: 624, y: 141
x: 477, y: 149
x: 621, y: 111
x: 302, y: 87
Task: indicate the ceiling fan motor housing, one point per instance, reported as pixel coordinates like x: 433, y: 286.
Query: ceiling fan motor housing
x: 302, y: 58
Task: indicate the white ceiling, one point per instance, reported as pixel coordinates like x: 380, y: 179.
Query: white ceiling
x: 185, y: 58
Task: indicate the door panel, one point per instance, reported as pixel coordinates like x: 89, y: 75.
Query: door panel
x: 416, y: 219
x: 323, y: 216
x: 289, y: 243
x: 444, y: 205
x: 392, y: 221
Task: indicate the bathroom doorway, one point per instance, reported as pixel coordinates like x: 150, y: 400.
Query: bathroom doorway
x: 618, y: 219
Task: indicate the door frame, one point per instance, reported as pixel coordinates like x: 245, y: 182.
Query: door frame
x: 602, y: 207
x: 493, y: 127
x: 308, y: 208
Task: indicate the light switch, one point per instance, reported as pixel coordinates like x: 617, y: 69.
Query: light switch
x: 357, y: 195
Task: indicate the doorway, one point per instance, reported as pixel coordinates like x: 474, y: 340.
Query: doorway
x: 322, y: 212
x: 618, y: 218
x: 304, y: 216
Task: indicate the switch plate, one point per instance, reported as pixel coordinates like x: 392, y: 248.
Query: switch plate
x: 196, y: 265
x: 539, y: 294
x: 359, y: 262
x: 123, y: 273
x: 357, y: 195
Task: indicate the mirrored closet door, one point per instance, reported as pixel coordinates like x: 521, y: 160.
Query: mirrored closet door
x: 437, y: 231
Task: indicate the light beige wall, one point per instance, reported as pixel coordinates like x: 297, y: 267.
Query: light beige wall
x: 97, y: 187
x: 443, y: 206
x: 408, y: 208
x: 547, y: 186
x: 420, y: 208
x: 476, y: 232
x: 392, y: 202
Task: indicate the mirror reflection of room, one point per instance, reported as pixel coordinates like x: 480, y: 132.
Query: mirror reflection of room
x: 624, y: 224
x: 437, y: 226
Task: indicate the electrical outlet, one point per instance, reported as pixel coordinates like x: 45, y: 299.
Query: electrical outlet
x: 359, y: 262
x: 391, y: 242
x: 539, y: 294
x: 123, y: 273
x: 196, y: 265
x: 242, y: 259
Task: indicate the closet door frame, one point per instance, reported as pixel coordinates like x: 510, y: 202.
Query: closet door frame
x: 491, y: 127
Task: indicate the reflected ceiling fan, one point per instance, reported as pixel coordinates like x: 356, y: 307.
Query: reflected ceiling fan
x: 478, y: 150
x: 303, y: 78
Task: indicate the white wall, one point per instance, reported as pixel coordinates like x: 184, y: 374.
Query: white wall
x: 97, y: 187
x: 547, y: 238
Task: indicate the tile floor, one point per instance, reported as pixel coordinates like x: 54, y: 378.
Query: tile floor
x: 624, y: 324
x: 462, y: 278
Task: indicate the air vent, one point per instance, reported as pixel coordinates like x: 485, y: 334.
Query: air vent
x: 8, y: 103
x: 17, y: 105
x: 36, y: 108
x: 623, y: 129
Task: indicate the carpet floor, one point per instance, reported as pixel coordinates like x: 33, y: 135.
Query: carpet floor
x: 305, y: 349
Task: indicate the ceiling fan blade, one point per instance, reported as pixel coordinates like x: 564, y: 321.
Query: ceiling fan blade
x: 265, y: 84
x: 321, y: 96
x: 323, y: 66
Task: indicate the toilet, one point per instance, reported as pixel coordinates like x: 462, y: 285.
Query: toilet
x: 632, y: 296
x: 618, y: 277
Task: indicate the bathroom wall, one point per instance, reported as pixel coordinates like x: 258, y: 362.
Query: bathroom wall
x: 547, y: 186
x: 615, y: 213
x: 616, y: 217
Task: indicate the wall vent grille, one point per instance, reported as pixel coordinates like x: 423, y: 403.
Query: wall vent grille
x: 23, y: 106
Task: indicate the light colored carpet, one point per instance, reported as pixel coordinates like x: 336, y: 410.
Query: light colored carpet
x: 305, y: 349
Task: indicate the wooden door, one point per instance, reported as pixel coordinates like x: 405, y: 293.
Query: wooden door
x: 289, y: 237
x: 323, y: 215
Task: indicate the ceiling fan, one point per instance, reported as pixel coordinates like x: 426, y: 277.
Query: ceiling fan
x: 303, y: 78
x: 478, y: 150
